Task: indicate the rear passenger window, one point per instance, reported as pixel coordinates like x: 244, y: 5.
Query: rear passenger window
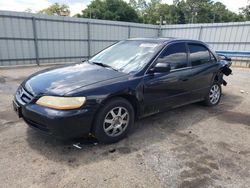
x: 199, y: 55
x: 175, y: 55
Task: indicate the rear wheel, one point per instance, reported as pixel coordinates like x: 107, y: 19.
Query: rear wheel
x: 114, y: 120
x: 214, y: 95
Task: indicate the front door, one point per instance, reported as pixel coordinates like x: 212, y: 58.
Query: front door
x: 165, y: 90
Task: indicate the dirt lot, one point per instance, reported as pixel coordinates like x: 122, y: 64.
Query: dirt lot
x: 192, y: 146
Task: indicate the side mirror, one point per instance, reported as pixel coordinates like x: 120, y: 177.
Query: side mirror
x: 161, y: 67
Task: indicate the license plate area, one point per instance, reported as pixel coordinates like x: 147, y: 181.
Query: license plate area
x: 17, y: 109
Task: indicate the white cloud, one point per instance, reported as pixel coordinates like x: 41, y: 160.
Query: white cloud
x: 234, y: 5
x: 76, y: 8
x: 36, y: 5
x: 167, y: 1
x: 22, y: 5
x: 163, y: 1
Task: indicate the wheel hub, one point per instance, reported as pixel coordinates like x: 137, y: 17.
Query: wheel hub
x: 116, y: 121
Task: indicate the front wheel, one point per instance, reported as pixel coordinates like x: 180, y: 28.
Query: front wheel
x: 113, y: 121
x: 214, y: 95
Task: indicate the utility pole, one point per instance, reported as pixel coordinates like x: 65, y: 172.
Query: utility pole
x: 194, y: 14
x: 214, y: 17
x: 159, y: 34
x: 161, y: 22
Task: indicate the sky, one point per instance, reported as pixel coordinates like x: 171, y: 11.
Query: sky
x: 77, y: 5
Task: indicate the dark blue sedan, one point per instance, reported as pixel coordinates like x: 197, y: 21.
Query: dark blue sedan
x: 126, y: 81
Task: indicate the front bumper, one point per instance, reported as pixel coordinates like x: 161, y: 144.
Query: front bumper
x: 63, y: 124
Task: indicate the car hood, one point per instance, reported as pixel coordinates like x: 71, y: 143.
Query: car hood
x: 59, y: 81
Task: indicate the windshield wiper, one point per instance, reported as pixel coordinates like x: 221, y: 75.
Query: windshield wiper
x: 104, y: 65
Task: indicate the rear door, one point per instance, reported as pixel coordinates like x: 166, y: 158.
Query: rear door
x: 204, y: 67
x: 165, y: 90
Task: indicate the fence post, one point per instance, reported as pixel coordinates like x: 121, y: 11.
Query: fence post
x: 88, y: 35
x: 35, y: 40
x: 129, y: 31
x: 200, y: 33
x: 159, y: 31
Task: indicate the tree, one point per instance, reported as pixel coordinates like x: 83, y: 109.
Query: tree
x: 176, y: 2
x: 246, y: 11
x: 138, y: 5
x: 133, y: 4
x: 110, y: 10
x: 56, y: 10
x: 179, y: 13
x: 150, y: 11
x: 222, y: 14
x: 205, y: 11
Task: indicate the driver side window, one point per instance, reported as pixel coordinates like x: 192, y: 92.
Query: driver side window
x: 175, y: 55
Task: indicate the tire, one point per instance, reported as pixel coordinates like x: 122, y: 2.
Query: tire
x: 214, y: 95
x: 113, y: 121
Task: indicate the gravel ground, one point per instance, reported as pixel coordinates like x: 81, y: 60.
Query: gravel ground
x: 192, y: 146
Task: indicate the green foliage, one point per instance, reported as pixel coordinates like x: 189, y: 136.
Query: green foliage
x: 189, y: 11
x: 56, y: 10
x: 110, y: 10
x: 180, y: 12
x: 246, y: 12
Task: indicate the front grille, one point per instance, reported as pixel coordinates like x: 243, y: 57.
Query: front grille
x: 23, y: 97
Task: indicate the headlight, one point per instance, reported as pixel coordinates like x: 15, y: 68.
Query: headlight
x: 61, y: 103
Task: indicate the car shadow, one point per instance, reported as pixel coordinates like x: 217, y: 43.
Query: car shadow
x: 146, y: 132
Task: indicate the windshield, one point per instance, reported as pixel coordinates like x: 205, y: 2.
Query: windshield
x: 127, y: 56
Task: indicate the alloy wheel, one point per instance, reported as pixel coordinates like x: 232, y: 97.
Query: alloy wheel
x: 214, y: 94
x: 116, y: 121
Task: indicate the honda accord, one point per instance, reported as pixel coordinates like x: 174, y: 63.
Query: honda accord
x: 130, y: 79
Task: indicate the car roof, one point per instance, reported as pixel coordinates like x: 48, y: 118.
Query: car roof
x: 165, y: 40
